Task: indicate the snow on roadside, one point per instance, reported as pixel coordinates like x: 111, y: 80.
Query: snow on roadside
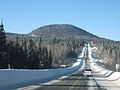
x: 10, y: 79
x: 109, y: 75
x: 13, y: 78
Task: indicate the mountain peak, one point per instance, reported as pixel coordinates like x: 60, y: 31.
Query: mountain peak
x: 58, y: 31
x: 61, y: 31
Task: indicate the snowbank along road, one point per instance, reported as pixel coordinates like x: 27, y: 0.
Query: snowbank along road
x: 79, y: 81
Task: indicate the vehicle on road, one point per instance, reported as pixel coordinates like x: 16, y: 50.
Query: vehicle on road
x: 87, y: 72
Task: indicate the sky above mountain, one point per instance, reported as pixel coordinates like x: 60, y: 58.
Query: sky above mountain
x: 100, y: 17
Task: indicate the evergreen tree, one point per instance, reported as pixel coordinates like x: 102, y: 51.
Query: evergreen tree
x: 19, y: 61
x: 3, y: 54
x: 50, y: 59
x: 32, y: 59
x: 40, y: 51
x: 45, y: 57
x: 24, y: 46
x: 11, y: 54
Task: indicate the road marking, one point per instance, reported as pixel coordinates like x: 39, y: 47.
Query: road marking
x: 73, y: 84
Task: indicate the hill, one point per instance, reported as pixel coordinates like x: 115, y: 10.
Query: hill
x: 108, y: 50
x: 59, y: 31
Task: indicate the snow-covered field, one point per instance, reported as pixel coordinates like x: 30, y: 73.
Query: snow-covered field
x: 10, y: 79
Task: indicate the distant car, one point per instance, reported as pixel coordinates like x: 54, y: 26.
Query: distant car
x: 87, y: 72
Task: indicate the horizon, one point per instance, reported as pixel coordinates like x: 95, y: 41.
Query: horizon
x: 99, y: 17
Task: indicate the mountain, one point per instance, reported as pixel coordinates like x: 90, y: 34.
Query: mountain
x: 59, y: 31
x: 108, y: 50
x: 62, y: 31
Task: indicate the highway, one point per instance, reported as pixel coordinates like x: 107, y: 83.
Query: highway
x: 73, y: 82
x: 79, y: 81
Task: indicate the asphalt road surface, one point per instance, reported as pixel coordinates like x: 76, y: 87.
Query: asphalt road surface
x: 74, y: 82
x: 80, y: 82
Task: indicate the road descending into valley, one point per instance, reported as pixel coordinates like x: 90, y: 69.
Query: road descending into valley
x: 79, y: 81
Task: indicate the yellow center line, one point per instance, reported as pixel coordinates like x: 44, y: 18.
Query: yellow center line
x: 74, y: 83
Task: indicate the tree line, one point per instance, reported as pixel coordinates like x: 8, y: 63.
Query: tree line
x: 109, y: 52
x: 24, y: 55
x: 28, y: 54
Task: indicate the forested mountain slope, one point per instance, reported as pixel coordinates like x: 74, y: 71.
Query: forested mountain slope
x: 70, y: 39
x: 58, y: 31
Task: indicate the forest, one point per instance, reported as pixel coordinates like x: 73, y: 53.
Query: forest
x: 45, y: 54
x: 108, y: 53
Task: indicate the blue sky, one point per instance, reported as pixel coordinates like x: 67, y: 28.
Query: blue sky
x: 100, y: 17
